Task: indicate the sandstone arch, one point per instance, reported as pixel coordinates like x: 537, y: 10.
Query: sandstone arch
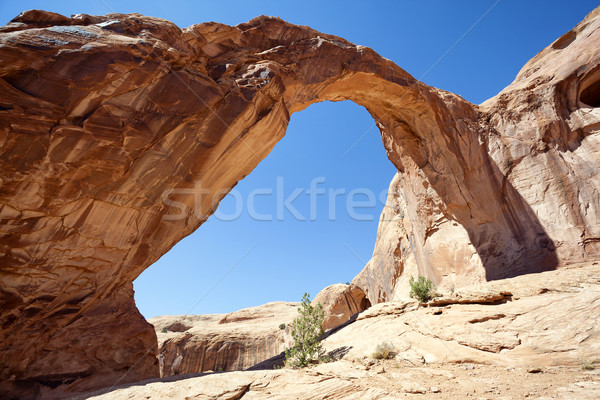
x: 100, y: 116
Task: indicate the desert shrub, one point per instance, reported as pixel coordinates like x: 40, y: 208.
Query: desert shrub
x: 163, y: 330
x: 421, y: 289
x: 307, y: 333
x: 588, y: 366
x: 384, y: 351
x: 282, y: 326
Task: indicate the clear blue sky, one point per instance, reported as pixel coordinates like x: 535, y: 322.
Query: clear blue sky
x: 280, y: 260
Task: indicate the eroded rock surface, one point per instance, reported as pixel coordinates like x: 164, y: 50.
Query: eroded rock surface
x: 111, y: 126
x: 223, y: 342
x: 541, y: 141
x: 340, y: 303
x: 381, y: 381
x: 246, y: 338
x: 545, y: 319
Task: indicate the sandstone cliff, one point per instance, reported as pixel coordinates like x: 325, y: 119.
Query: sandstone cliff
x: 102, y: 117
x: 246, y: 338
x: 223, y: 342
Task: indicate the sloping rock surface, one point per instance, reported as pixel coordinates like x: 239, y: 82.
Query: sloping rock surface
x: 121, y: 133
x: 544, y: 319
x: 383, y: 381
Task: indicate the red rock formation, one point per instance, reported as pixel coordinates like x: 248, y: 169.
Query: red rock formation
x: 102, y: 117
x: 340, y: 303
x: 532, y: 199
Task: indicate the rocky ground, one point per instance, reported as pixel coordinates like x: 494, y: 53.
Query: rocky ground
x: 383, y: 380
x: 534, y: 337
x: 545, y: 319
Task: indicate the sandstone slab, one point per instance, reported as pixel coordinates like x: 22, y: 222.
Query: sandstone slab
x: 223, y: 342
x: 345, y: 380
x: 539, y: 320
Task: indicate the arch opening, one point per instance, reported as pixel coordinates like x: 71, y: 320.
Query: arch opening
x: 302, y: 242
x: 305, y: 218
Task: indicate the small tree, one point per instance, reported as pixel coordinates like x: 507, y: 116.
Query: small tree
x: 421, y: 289
x: 307, y: 332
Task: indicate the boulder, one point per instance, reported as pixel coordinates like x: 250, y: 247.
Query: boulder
x: 340, y: 303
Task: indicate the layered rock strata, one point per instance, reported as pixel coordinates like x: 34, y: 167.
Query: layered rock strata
x: 223, y: 342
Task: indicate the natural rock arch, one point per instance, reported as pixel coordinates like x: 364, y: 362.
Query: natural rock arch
x: 100, y: 117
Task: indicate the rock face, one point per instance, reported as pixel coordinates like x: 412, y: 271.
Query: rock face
x: 246, y: 338
x: 530, y: 184
x: 223, y: 342
x: 340, y: 303
x: 121, y: 133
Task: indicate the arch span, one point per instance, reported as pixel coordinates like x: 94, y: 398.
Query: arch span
x: 101, y: 116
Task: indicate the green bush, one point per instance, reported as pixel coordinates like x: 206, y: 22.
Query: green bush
x: 383, y: 351
x: 307, y: 333
x: 421, y: 289
x: 282, y: 326
x: 163, y: 330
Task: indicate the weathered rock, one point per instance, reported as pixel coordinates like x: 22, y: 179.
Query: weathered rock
x: 340, y: 303
x: 121, y: 133
x: 346, y: 380
x: 243, y: 339
x: 223, y: 342
x: 461, y: 334
x: 542, y: 145
x: 414, y: 388
x: 537, y: 320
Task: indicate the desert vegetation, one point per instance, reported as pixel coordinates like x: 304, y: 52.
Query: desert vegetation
x: 421, y: 289
x: 384, y: 351
x: 307, y: 333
